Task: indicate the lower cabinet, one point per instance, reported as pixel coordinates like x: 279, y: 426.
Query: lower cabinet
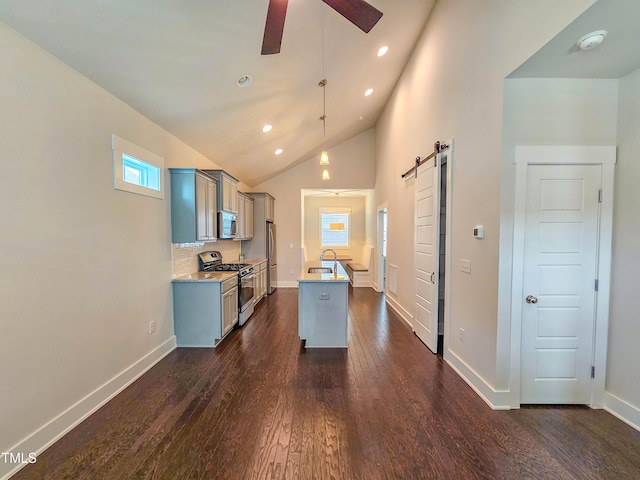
x: 204, y: 312
x: 229, y: 309
x: 260, y: 281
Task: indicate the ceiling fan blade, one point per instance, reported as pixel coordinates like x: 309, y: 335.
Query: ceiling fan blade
x: 274, y: 26
x: 360, y: 13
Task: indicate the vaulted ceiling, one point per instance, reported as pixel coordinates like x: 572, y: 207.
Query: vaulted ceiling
x: 177, y: 63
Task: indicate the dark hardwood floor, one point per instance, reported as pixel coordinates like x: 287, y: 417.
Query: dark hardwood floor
x: 260, y: 406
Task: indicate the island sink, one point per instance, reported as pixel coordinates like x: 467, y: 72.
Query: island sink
x: 319, y: 270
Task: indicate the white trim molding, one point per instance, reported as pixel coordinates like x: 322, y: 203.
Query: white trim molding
x: 622, y: 410
x: 605, y: 156
x: 55, y: 429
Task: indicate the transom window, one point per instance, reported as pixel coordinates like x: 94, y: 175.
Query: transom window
x: 137, y: 170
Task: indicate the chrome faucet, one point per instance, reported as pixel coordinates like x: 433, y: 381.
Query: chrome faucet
x: 335, y: 256
x: 335, y: 259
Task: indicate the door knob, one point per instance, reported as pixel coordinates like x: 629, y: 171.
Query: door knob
x: 531, y: 299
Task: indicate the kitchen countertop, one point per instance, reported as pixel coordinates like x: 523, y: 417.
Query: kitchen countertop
x: 206, y: 277
x: 254, y: 261
x: 338, y: 276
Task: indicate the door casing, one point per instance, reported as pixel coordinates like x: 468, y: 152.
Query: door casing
x: 605, y: 156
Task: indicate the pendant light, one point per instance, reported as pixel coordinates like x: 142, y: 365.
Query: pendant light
x: 337, y: 226
x: 324, y: 156
x: 325, y: 175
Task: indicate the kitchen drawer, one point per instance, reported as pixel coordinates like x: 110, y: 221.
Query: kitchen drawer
x: 229, y: 284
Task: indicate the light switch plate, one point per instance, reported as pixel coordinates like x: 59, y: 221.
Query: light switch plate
x: 465, y: 265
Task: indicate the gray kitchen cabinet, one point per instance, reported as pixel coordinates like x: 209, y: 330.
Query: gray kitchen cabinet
x: 270, y: 208
x: 263, y: 210
x: 262, y: 280
x: 248, y: 217
x: 204, y: 312
x: 193, y: 206
x: 244, y: 218
x: 229, y: 309
x: 227, y: 192
x: 240, y: 218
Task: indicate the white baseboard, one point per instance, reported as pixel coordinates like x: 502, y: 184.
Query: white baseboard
x: 496, y: 399
x: 404, y: 314
x: 287, y: 284
x: 55, y: 429
x: 622, y: 410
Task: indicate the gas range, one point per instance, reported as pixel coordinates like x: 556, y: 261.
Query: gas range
x: 212, y: 261
x: 242, y: 268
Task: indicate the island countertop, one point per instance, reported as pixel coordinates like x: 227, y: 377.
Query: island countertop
x: 339, y: 275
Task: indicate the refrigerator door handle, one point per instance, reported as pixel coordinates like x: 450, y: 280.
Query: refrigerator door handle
x: 270, y: 244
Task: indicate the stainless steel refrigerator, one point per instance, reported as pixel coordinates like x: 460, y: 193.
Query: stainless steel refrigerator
x: 263, y: 243
x: 272, y: 259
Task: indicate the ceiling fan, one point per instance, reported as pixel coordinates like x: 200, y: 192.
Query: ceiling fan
x: 360, y: 13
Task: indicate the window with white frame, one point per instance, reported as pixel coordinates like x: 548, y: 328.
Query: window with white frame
x: 334, y: 227
x: 137, y: 170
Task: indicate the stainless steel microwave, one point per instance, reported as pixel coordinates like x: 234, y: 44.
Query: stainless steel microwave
x: 227, y: 225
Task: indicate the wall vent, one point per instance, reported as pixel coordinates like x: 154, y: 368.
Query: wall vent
x: 393, y: 278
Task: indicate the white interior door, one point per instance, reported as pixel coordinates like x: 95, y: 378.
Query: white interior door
x: 560, y: 271
x: 427, y: 234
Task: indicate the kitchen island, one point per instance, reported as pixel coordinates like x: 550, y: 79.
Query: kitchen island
x: 323, y: 308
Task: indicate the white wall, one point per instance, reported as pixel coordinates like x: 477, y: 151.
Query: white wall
x: 452, y: 87
x: 624, y: 331
x: 84, y: 268
x: 352, y: 167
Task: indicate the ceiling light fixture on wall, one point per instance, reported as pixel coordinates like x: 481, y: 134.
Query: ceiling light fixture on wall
x: 324, y: 156
x: 325, y: 175
x: 267, y: 128
x: 592, y: 40
x: 383, y: 50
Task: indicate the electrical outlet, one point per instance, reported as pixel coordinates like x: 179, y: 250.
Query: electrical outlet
x: 291, y: 271
x: 461, y: 334
x: 465, y: 265
x: 152, y: 327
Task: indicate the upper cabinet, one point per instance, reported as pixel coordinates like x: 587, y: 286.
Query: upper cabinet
x: 244, y: 219
x: 248, y: 217
x: 227, y: 191
x: 193, y: 206
x: 264, y: 207
x: 270, y: 208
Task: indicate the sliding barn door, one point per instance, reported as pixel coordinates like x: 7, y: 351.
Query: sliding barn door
x: 427, y: 235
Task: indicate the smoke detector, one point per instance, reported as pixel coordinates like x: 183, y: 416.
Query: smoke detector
x: 592, y: 40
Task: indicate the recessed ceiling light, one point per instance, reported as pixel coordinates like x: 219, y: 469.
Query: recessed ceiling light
x: 383, y: 50
x: 278, y: 151
x: 267, y: 128
x: 243, y: 80
x: 361, y: 117
x: 368, y: 92
x: 592, y: 40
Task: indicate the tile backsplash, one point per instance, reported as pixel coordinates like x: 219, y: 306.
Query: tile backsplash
x: 185, y: 255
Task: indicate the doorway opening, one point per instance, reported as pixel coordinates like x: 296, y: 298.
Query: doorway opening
x: 442, y: 253
x: 382, y: 249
